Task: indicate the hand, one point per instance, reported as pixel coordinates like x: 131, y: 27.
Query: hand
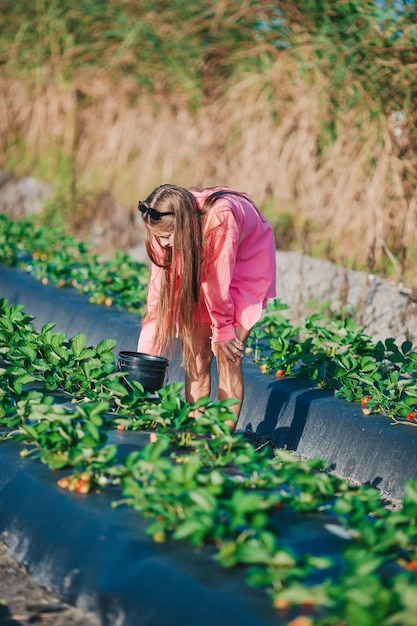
x: 232, y: 348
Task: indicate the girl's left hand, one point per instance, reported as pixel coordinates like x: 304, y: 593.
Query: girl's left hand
x: 232, y: 348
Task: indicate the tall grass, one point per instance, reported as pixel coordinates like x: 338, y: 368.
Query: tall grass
x: 308, y: 106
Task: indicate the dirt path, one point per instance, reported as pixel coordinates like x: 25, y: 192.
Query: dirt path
x: 24, y: 602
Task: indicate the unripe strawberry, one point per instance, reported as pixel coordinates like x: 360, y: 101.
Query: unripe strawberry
x: 72, y: 484
x: 282, y: 603
x: 301, y: 620
x: 83, y: 488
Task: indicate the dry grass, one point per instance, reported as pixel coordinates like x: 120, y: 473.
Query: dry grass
x: 264, y: 136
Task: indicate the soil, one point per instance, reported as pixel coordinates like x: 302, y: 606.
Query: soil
x: 24, y: 602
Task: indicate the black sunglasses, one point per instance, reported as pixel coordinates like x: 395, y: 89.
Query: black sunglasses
x: 154, y: 214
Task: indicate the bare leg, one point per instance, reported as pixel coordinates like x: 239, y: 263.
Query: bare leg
x: 231, y: 384
x: 199, y: 386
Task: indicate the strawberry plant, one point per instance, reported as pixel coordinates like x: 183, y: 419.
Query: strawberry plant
x: 62, y: 437
x: 55, y: 257
x: 338, y: 355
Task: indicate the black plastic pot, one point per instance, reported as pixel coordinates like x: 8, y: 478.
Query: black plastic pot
x: 147, y: 369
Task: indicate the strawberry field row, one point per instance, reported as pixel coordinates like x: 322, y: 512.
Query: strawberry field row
x: 334, y: 353
x: 195, y: 481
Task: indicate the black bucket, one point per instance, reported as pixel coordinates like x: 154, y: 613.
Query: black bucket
x: 147, y: 369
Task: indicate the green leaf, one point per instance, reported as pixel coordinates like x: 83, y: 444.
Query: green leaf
x: 7, y: 324
x: 59, y: 351
x: 21, y: 380
x: 406, y: 346
x: 187, y: 528
x: 31, y: 431
x: 203, y: 499
x: 92, y: 429
x: 118, y: 388
x: 107, y: 356
x: 57, y: 338
x: 78, y: 343
x: 99, y: 408
x: 28, y: 351
x: 252, y: 552
x: 106, y: 345
x: 87, y: 353
x: 47, y: 327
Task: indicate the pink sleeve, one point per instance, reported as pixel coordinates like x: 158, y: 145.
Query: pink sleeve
x: 147, y: 332
x: 223, y: 240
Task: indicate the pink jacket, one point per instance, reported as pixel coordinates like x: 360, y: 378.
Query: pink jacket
x: 239, y: 273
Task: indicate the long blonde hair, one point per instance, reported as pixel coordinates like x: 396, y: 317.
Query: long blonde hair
x: 181, y: 264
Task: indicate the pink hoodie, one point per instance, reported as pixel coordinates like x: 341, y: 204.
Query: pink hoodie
x: 239, y: 273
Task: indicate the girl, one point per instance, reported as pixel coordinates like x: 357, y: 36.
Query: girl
x: 212, y: 258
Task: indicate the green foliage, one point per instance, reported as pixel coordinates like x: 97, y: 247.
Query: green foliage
x: 181, y: 42
x: 356, y: 45
x: 195, y: 481
x: 194, y: 45
x: 338, y: 355
x: 51, y: 256
x: 334, y: 353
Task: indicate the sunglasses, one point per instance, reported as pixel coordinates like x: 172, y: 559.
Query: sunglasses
x: 154, y: 214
